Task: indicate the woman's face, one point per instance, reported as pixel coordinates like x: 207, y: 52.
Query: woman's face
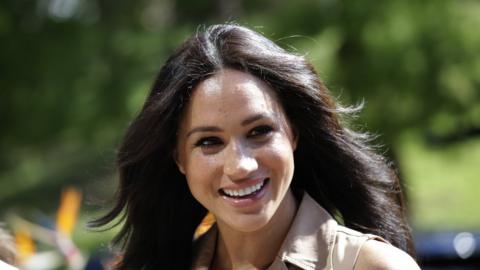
x: 235, y: 147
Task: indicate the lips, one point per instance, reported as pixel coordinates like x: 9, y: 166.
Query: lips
x: 245, y: 192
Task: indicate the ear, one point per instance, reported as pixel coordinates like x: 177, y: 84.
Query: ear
x: 294, y: 134
x: 178, y: 162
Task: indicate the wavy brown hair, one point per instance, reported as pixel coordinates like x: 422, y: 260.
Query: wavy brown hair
x: 332, y: 163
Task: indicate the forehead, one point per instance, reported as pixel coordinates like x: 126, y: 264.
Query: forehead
x: 230, y: 83
x: 232, y: 93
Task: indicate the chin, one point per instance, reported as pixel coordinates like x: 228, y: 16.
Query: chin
x: 248, y: 223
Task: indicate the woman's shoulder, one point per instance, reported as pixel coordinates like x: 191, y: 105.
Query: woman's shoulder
x: 342, y: 247
x: 359, y: 251
x: 378, y: 255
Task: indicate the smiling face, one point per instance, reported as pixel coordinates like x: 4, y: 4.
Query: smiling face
x: 235, y: 147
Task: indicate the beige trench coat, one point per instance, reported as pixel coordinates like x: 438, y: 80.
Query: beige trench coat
x: 314, y: 241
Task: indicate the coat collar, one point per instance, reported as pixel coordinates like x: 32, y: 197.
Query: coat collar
x: 308, y: 244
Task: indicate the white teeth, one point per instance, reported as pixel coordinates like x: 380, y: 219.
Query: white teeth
x: 243, y: 191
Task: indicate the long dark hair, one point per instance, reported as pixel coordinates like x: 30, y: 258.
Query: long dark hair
x: 332, y: 163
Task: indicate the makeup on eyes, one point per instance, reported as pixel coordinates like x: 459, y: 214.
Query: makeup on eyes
x: 261, y: 130
x: 258, y: 132
x: 208, y: 141
x: 248, y: 121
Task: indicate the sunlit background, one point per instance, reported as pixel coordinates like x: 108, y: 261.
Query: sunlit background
x: 73, y: 73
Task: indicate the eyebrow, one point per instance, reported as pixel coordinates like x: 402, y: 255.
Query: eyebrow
x: 203, y: 129
x: 245, y: 122
x: 254, y: 118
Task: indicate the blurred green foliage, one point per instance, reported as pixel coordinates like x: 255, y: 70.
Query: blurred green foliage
x: 73, y: 73
x: 443, y: 183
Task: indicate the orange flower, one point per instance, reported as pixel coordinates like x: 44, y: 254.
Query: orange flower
x: 206, y: 223
x: 68, y: 211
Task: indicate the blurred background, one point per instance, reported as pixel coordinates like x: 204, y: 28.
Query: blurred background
x: 73, y: 73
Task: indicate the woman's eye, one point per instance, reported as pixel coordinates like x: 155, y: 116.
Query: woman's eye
x: 208, y: 142
x: 260, y: 131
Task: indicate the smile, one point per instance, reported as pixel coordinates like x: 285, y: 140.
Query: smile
x: 244, y: 192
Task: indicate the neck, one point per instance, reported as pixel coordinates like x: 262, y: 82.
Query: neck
x: 257, y: 249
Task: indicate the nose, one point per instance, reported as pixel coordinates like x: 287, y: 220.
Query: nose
x: 239, y: 161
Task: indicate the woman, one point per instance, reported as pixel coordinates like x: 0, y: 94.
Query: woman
x: 229, y: 117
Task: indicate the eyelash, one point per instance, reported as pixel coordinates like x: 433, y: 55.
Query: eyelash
x: 259, y: 131
x: 208, y: 142
x: 256, y: 133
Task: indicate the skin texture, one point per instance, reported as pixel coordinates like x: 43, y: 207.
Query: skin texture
x: 234, y: 133
x: 376, y: 255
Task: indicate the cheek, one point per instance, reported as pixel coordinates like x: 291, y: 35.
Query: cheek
x: 201, y: 173
x: 198, y: 186
x: 279, y: 157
